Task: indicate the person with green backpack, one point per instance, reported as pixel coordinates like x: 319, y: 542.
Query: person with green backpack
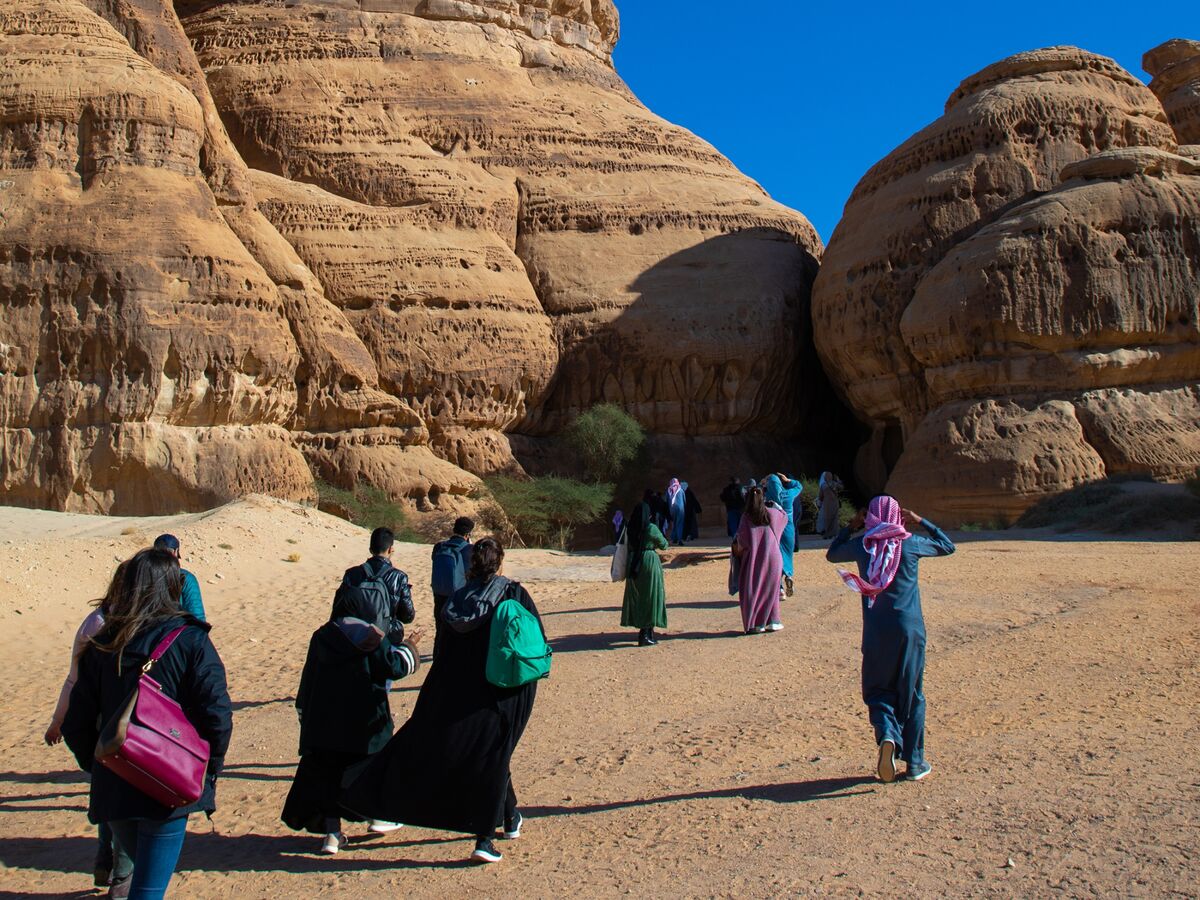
x: 448, y: 765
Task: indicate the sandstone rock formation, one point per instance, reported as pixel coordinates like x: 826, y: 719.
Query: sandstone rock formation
x: 1175, y: 66
x: 1011, y: 298
x: 244, y: 242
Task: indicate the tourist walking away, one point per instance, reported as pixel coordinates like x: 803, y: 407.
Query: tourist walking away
x: 645, y: 604
x: 448, y: 765
x: 691, y: 514
x: 112, y: 866
x: 660, y: 511
x: 828, y: 504
x: 893, y: 636
x: 141, y: 617
x: 761, y: 563
x: 190, y: 599
x: 344, y: 717
x: 451, y: 560
x: 380, y: 587
x: 676, y: 506
x: 783, y: 491
x: 733, y: 496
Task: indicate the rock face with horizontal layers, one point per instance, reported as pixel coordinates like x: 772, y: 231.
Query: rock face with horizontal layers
x: 1011, y: 298
x: 244, y: 242
x: 497, y: 142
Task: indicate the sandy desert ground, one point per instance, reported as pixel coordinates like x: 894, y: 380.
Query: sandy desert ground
x: 1062, y: 687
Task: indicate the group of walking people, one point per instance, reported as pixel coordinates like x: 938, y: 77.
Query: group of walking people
x: 886, y: 552
x: 448, y: 766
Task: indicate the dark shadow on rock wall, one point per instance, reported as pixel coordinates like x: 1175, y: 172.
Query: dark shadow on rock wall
x: 727, y: 383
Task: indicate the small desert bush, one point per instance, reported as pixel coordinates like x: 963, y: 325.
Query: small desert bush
x: 225, y: 546
x: 605, y: 439
x: 805, y: 508
x: 368, y: 507
x: 543, y: 512
x: 293, y: 557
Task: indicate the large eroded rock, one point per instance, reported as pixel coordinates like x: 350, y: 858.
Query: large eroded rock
x: 1175, y: 66
x: 497, y: 142
x: 1014, y: 281
x: 1008, y: 131
x: 243, y: 241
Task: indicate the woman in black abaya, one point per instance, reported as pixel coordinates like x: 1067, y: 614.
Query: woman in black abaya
x: 448, y: 766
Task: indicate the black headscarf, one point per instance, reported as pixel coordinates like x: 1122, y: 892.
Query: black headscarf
x: 635, y: 537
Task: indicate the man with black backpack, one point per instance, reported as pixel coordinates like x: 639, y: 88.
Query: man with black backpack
x: 451, y: 561
x: 377, y: 592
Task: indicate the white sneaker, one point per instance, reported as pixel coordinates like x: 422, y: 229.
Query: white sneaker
x: 887, y: 761
x: 333, y: 843
x: 775, y: 626
x: 378, y: 826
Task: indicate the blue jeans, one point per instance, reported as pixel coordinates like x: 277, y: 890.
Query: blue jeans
x: 154, y: 846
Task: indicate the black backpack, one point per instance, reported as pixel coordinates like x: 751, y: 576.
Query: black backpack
x: 371, y: 601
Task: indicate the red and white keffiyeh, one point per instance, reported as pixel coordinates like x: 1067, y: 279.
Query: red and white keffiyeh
x: 885, y: 532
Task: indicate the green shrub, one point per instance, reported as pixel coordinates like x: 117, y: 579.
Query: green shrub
x: 805, y: 508
x: 544, y: 512
x: 605, y: 439
x: 366, y: 506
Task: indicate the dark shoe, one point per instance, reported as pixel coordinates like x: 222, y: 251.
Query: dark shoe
x: 651, y: 637
x: 102, y: 875
x: 886, y: 769
x: 512, y: 827
x: 120, y: 888
x: 918, y: 771
x: 485, y: 852
x: 788, y: 586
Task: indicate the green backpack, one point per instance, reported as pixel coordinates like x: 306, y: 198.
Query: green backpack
x: 517, y: 651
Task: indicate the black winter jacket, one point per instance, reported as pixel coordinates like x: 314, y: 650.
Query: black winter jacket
x: 190, y: 672
x: 342, y: 700
x: 391, y: 621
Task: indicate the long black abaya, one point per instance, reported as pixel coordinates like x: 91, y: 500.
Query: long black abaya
x: 448, y: 766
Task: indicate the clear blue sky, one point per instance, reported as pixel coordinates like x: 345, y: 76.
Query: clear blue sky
x: 804, y: 96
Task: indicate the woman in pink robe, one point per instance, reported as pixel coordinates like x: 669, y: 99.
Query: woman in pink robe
x: 757, y: 548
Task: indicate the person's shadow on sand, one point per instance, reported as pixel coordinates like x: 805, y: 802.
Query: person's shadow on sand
x: 795, y: 792
x: 615, y: 640
x: 293, y: 853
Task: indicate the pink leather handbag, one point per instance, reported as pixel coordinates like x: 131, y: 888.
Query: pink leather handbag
x: 150, y: 743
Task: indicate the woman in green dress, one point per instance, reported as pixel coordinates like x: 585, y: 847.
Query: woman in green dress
x: 645, y: 605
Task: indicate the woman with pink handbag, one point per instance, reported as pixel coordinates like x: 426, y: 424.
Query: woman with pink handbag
x: 149, y: 706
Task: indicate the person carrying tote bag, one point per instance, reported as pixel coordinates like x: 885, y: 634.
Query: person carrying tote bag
x: 620, y: 560
x: 143, y: 614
